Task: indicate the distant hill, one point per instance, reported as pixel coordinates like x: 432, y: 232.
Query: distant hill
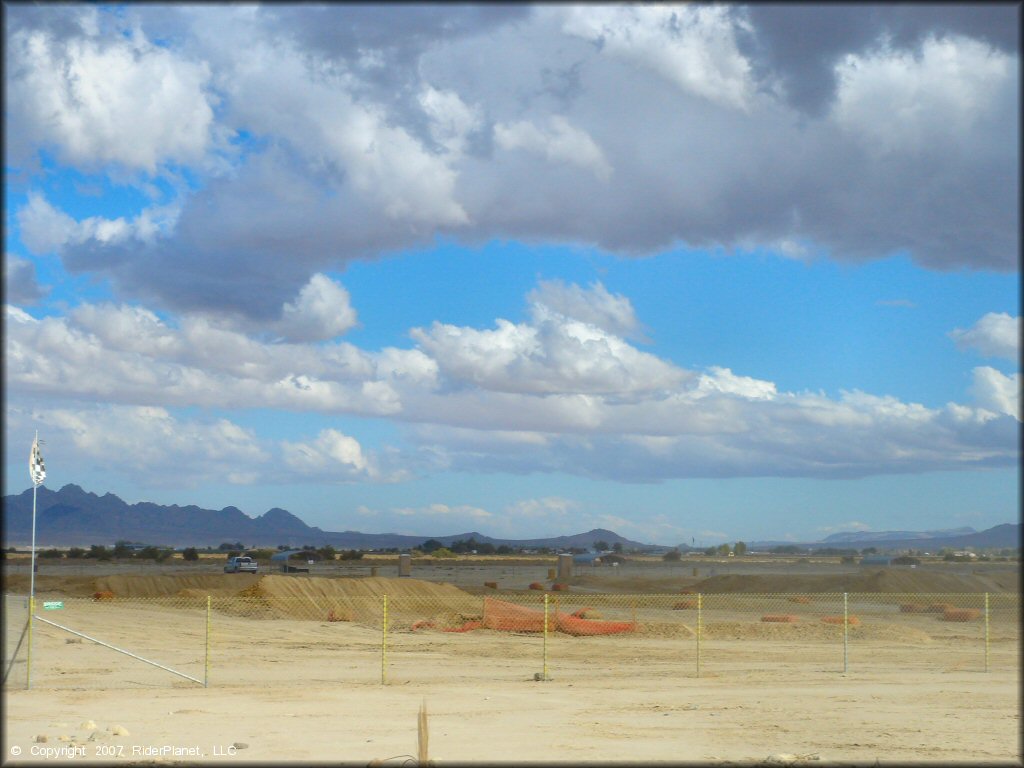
x: 895, y: 535
x: 1004, y: 536
x: 75, y: 517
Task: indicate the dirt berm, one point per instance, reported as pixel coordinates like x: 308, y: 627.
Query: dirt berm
x: 883, y: 580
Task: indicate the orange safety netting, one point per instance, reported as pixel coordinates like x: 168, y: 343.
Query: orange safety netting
x: 509, y: 617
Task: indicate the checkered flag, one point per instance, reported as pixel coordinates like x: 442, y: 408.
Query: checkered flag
x: 36, y: 467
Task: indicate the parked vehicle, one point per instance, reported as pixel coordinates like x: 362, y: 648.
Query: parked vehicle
x: 241, y: 565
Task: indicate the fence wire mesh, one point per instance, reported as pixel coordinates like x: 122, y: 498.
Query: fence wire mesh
x: 191, y: 638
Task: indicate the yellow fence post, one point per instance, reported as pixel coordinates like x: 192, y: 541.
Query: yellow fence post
x: 31, y: 613
x: 384, y: 645
x: 846, y: 632
x: 206, y: 673
x: 986, y: 632
x: 699, y: 617
x: 544, y: 670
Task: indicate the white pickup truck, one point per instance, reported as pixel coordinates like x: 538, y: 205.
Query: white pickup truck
x: 241, y: 565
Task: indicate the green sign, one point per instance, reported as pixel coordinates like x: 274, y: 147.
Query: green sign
x: 52, y: 605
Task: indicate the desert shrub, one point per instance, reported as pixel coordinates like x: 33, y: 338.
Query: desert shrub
x: 76, y: 552
x: 443, y: 552
x: 536, y: 585
x: 853, y: 621
x: 54, y: 554
x: 800, y: 599
x: 105, y: 595
x: 261, y: 554
x: 351, y: 554
x: 784, y: 618
x: 191, y: 554
x: 559, y: 587
x: 491, y: 584
x: 673, y: 555
x: 684, y: 605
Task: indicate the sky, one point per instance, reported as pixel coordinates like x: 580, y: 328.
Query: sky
x: 692, y: 273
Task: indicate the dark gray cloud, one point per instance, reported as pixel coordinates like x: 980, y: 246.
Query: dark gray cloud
x: 800, y: 44
x: 20, y: 283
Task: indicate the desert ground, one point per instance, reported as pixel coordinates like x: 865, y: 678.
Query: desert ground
x: 285, y: 684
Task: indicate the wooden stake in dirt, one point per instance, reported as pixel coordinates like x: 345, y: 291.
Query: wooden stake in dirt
x: 424, y: 736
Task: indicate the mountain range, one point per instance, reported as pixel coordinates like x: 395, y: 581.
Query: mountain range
x: 75, y: 517
x: 1005, y: 536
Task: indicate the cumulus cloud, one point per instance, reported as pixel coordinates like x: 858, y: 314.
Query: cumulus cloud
x: 996, y: 391
x: 593, y: 305
x: 114, y: 99
x: 552, y: 394
x: 146, y: 441
x: 997, y: 334
x: 332, y: 457
x: 899, y: 101
x: 321, y: 311
x: 693, y: 46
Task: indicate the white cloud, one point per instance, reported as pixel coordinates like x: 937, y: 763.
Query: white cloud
x: 332, y: 457
x: 146, y: 441
x: 119, y: 99
x: 594, y: 305
x: 277, y: 90
x: 996, y: 391
x: 994, y: 335
x: 898, y: 100
x: 451, y: 119
x: 445, y: 510
x: 561, y: 142
x: 555, y: 394
x: 549, y: 506
x: 693, y: 46
x: 321, y: 311
x: 555, y: 353
x: 46, y: 229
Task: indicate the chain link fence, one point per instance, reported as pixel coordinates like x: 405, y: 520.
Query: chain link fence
x: 193, y: 639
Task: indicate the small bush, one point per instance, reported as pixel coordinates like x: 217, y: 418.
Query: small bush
x: 536, y: 585
x: 684, y: 605
x: 853, y: 621
x: 672, y: 556
x: 191, y: 554
x: 443, y: 552
x: 351, y: 554
x: 51, y: 554
x: 783, y: 618
x: 76, y: 552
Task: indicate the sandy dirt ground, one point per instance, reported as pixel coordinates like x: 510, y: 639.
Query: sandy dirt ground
x: 283, y: 690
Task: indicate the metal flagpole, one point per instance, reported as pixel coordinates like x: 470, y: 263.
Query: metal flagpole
x: 36, y: 471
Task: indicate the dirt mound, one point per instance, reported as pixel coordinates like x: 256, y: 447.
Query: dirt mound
x: 318, y: 598
x: 167, y: 585
x: 885, y: 580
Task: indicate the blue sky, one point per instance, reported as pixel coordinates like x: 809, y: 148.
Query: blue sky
x: 525, y: 270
